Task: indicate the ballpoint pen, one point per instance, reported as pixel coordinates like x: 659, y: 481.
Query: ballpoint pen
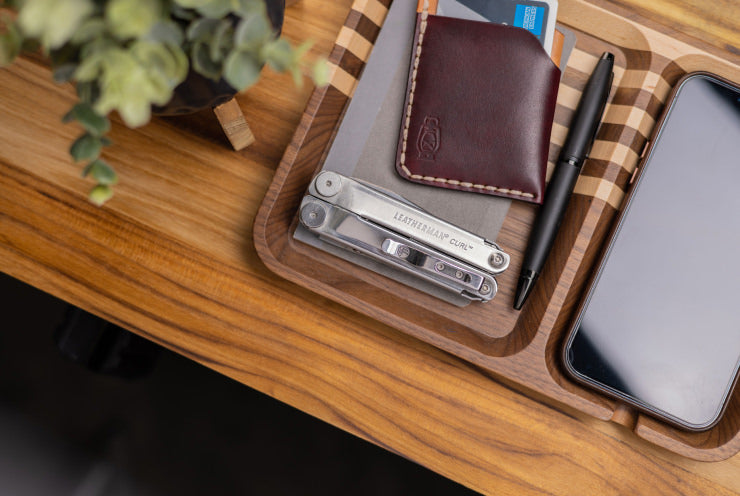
x: 577, y: 145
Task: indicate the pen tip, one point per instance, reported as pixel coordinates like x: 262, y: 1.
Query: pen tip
x: 526, y: 283
x: 608, y: 56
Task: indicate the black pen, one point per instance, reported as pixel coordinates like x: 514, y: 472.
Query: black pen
x: 577, y: 145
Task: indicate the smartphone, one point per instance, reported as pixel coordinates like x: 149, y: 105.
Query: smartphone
x: 659, y: 327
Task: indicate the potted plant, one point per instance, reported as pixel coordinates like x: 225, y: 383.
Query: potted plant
x: 133, y: 56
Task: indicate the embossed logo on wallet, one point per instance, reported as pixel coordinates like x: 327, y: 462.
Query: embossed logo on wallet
x: 428, y: 142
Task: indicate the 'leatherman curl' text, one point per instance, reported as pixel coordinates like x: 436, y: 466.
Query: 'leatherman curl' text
x: 420, y: 226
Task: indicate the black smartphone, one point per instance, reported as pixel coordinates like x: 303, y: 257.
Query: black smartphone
x: 660, y: 326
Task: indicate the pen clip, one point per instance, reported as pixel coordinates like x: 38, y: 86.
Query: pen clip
x: 601, y: 114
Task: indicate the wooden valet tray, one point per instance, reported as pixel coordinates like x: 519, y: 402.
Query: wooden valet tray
x: 520, y: 347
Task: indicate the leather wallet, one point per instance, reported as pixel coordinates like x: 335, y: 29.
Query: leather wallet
x: 479, y: 108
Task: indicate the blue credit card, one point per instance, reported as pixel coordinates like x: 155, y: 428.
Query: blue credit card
x: 531, y: 15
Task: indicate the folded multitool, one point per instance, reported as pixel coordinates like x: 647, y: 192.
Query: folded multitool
x: 366, y: 219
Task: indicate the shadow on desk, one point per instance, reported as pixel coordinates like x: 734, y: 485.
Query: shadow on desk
x: 183, y: 430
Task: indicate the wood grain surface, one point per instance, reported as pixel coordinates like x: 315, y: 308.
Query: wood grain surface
x: 172, y: 258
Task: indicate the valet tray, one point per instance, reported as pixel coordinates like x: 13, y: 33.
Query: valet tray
x: 520, y: 347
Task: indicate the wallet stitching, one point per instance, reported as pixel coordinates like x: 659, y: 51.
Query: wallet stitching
x: 417, y: 56
x: 407, y: 124
x: 466, y: 184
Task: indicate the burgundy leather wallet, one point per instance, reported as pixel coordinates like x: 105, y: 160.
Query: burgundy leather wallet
x: 479, y: 109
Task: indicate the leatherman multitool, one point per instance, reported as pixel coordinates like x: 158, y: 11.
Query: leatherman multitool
x: 362, y: 218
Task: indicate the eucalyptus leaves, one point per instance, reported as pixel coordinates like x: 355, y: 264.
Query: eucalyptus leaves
x: 127, y: 55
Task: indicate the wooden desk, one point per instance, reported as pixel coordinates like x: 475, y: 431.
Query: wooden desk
x: 171, y: 257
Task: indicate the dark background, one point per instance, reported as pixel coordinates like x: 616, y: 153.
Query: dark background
x: 180, y: 430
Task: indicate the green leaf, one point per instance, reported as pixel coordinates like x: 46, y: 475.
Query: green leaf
x: 241, y: 69
x: 89, y: 69
x: 202, y: 63
x: 161, y: 61
x: 208, y: 8
x: 279, y: 55
x: 180, y: 12
x: 87, y: 91
x: 167, y: 32
x: 89, y: 30
x: 86, y: 147
x: 136, y: 111
x: 100, y: 194
x: 132, y: 18
x: 101, y: 172
x: 123, y: 82
x: 245, y: 8
x: 222, y: 39
x: 94, y: 56
x: 90, y: 120
x: 53, y: 22
x: 253, y: 32
x: 320, y: 72
x: 133, y: 79
x: 188, y: 4
x: 302, y: 49
x: 181, y: 65
x: 201, y: 29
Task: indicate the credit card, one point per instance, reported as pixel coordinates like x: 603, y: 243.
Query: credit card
x: 536, y: 16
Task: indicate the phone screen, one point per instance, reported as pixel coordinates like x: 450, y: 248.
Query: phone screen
x: 661, y: 328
